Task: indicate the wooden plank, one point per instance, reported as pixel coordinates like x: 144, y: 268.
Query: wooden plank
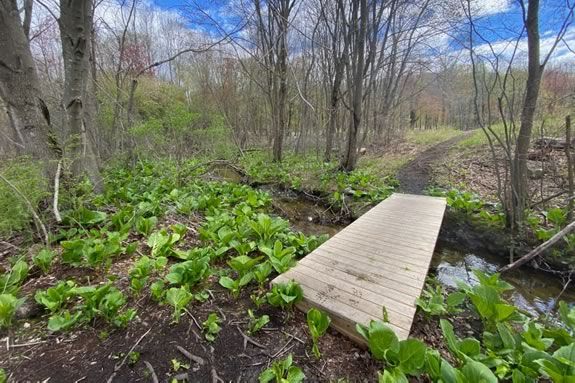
x: 409, y: 283
x: 380, y: 260
x: 363, y: 290
x: 353, y: 296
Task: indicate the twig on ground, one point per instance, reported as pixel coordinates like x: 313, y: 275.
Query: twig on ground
x: 197, y: 359
x: 26, y: 344
x: 247, y: 340
x: 222, y: 313
x: 282, y: 348
x: 10, y: 245
x: 284, y: 352
x: 152, y: 372
x: 215, y: 377
x: 293, y: 336
x: 121, y: 364
x: 194, y: 319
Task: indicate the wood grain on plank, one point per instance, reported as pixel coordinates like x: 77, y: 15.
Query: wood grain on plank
x: 380, y: 260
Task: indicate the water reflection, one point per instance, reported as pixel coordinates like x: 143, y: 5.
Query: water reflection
x: 535, y: 291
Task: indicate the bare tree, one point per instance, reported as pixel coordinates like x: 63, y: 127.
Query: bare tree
x: 272, y: 21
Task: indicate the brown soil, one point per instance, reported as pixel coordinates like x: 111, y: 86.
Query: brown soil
x: 415, y: 177
x: 475, y: 170
x: 29, y: 353
x: 88, y: 356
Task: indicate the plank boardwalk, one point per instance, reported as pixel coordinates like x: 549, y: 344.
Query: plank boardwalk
x: 380, y: 260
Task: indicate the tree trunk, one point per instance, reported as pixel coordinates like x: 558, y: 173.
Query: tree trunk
x: 535, y: 70
x: 75, y: 29
x: 282, y: 79
x: 20, y: 89
x: 357, y: 69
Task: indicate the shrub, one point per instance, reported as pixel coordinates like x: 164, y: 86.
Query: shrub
x: 27, y: 177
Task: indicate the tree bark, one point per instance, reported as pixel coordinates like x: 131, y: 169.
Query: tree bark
x: 75, y: 28
x: 20, y: 89
x: 534, y: 74
x: 355, y: 76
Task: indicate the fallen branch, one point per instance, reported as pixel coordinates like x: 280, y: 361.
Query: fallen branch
x: 190, y: 356
x: 547, y: 199
x: 57, y: 192
x: 121, y: 364
x: 194, y: 319
x: 152, y: 372
x: 539, y: 249
x: 247, y: 340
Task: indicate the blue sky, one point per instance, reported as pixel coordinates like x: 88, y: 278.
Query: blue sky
x: 500, y: 23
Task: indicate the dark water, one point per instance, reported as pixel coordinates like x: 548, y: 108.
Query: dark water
x: 535, y: 291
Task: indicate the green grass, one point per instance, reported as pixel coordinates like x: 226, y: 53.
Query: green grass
x: 26, y: 176
x: 432, y: 136
x: 387, y: 165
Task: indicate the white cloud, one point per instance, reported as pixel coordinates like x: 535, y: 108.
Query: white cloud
x: 504, y: 48
x: 490, y: 7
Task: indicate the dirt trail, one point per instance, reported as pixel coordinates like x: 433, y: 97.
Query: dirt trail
x: 414, y: 177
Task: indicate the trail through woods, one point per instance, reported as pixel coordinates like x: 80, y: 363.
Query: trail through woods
x: 415, y: 176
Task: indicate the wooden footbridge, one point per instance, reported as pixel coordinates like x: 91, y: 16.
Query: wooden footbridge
x: 380, y: 260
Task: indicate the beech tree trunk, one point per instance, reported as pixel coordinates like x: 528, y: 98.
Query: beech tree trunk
x: 75, y: 29
x: 20, y: 89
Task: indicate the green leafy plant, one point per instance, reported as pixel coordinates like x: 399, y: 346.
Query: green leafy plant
x: 262, y: 272
x: 282, y: 259
x: 189, y: 273
x: 10, y: 282
x: 64, y: 321
x: 256, y: 323
x: 258, y: 299
x: 56, y: 297
x: 235, y: 285
x: 161, y: 242
x: 433, y: 302
x: 211, y: 327
x: 94, y: 252
x: 266, y: 227
x: 317, y: 323
x: 285, y: 295
x: 487, y: 301
x: 243, y: 264
x: 8, y: 306
x: 142, y: 269
x: 179, y: 299
x: 406, y: 357
x: 282, y: 371
x: 157, y: 290
x: 43, y: 260
x: 145, y: 226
